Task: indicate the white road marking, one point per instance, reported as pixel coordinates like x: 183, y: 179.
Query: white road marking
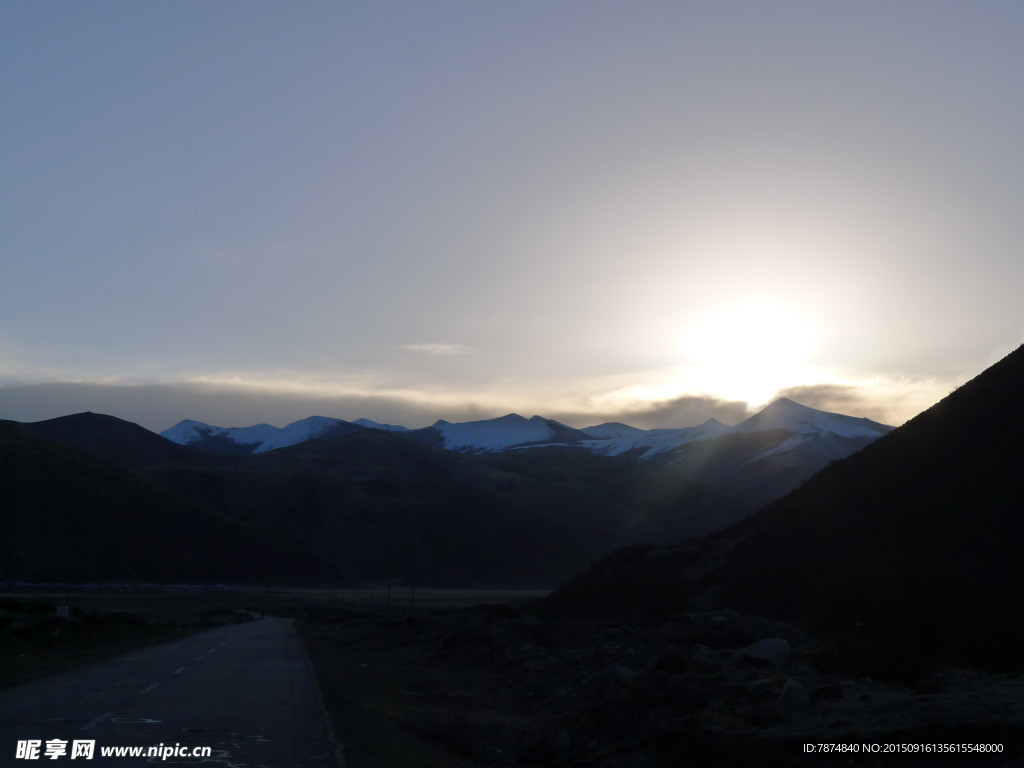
x: 96, y: 721
x: 149, y: 688
x: 178, y: 671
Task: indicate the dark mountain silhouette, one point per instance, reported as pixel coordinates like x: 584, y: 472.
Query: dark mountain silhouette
x: 916, y: 539
x: 909, y: 549
x: 358, y: 506
x: 120, y: 442
x: 377, y: 505
x: 69, y: 517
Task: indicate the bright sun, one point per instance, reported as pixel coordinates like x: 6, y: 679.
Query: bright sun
x: 747, y: 352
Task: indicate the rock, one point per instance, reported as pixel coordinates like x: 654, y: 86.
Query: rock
x: 832, y: 692
x: 793, y: 696
x: 622, y: 674
x: 760, y: 686
x: 562, y: 743
x: 673, y: 663
x: 706, y: 657
x: 774, y: 650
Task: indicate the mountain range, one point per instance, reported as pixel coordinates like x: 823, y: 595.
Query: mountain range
x: 514, y: 432
x: 499, y: 502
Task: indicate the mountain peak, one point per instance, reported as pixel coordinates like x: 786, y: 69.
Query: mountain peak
x: 785, y: 402
x: 510, y: 418
x: 122, y: 442
x: 712, y: 422
x: 802, y: 419
x: 613, y: 429
x: 488, y: 435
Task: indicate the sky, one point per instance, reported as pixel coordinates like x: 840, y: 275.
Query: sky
x: 651, y: 212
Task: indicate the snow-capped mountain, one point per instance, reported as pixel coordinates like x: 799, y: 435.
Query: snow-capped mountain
x: 192, y: 432
x: 300, y: 432
x: 503, y: 433
x: 612, y: 429
x: 256, y: 439
x: 796, y: 423
x: 801, y: 420
x: 648, y: 443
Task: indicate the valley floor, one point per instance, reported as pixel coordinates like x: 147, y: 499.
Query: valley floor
x: 468, y: 679
x: 496, y: 686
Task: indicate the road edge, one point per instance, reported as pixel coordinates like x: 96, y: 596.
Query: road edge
x: 339, y: 751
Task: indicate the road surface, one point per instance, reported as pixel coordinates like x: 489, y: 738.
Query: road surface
x: 246, y: 691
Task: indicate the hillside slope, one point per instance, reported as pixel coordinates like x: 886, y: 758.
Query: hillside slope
x: 69, y: 517
x: 120, y: 442
x: 909, y: 550
x: 917, y: 536
x: 380, y: 506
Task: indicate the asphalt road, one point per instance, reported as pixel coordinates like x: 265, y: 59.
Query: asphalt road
x: 247, y: 691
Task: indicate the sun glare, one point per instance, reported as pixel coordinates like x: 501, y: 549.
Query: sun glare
x: 747, y: 352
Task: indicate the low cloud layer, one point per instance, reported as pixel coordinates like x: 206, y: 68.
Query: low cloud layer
x: 159, y: 406
x: 442, y: 350
x: 890, y: 401
x: 684, y: 411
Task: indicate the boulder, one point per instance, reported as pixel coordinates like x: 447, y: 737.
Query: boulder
x: 773, y: 650
x: 793, y: 696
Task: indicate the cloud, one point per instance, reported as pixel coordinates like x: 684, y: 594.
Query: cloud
x: 442, y: 350
x: 159, y: 406
x: 682, y: 411
x: 242, y: 401
x: 889, y: 400
x: 838, y: 398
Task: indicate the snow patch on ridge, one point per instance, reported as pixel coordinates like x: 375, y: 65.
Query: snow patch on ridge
x: 651, y: 442
x: 613, y: 429
x: 377, y: 425
x: 299, y: 432
x: 264, y: 436
x: 191, y: 431
x: 494, y: 434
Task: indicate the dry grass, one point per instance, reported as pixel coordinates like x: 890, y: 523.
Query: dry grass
x: 394, y: 702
